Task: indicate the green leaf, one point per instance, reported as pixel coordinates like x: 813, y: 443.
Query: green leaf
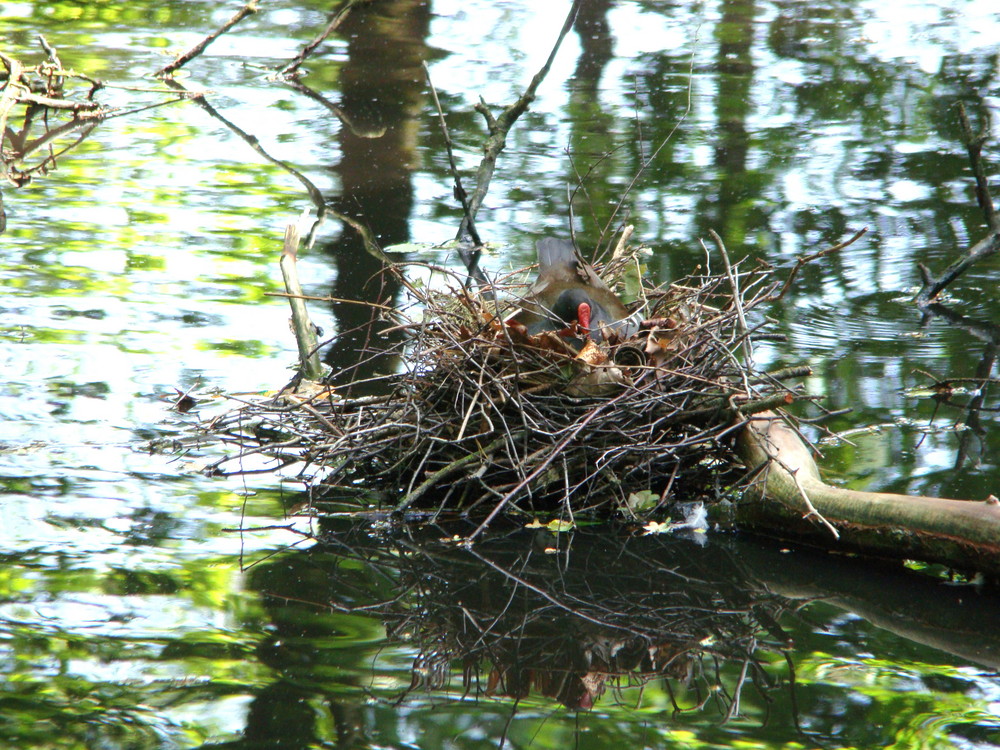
x: 632, y: 280
x: 641, y: 501
x: 557, y: 526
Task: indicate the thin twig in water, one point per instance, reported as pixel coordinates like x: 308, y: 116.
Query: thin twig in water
x: 737, y: 297
x: 990, y: 244
x: 183, y: 59
x: 809, y: 259
x: 470, y: 258
x: 500, y: 126
x: 656, y: 152
x: 336, y: 18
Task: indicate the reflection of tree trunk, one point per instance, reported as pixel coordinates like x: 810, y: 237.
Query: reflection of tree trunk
x: 954, y: 619
x: 735, y: 68
x: 596, y: 44
x: 381, y: 88
x: 296, y: 590
x: 280, y: 714
x: 734, y: 63
x: 592, y: 134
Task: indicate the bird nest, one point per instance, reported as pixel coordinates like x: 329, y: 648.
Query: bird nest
x: 477, y: 415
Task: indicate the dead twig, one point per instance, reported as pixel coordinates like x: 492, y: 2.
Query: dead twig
x: 805, y: 259
x: 499, y: 126
x: 184, y: 58
x: 932, y: 286
x: 336, y: 18
x: 469, y: 219
x: 305, y: 332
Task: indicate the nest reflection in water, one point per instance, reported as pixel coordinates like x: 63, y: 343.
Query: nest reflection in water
x: 514, y: 618
x: 477, y: 415
x: 709, y: 631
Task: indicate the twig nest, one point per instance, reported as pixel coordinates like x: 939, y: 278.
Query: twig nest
x: 477, y: 415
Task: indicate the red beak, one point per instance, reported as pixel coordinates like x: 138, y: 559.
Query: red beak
x: 583, y: 316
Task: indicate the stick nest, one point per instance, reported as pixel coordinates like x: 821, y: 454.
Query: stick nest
x: 478, y: 415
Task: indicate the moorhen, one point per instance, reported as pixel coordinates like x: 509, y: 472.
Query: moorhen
x: 569, y: 291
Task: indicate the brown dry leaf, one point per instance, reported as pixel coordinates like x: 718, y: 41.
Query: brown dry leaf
x: 551, y: 341
x: 660, y: 347
x: 517, y: 332
x: 597, y: 375
x: 492, y: 682
x: 592, y: 354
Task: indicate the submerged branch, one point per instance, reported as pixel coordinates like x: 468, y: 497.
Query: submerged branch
x: 934, y: 285
x: 805, y: 259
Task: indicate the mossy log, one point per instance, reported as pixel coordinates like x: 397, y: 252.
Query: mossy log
x: 790, y: 500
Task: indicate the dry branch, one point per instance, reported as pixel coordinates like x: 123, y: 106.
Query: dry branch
x: 962, y: 534
x: 183, y: 59
x: 305, y: 332
x: 989, y: 245
x: 498, y: 127
x: 336, y: 18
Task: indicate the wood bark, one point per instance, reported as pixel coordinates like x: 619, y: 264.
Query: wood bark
x: 790, y: 500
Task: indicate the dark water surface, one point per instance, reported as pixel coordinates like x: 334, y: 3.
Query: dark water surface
x: 135, y: 614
